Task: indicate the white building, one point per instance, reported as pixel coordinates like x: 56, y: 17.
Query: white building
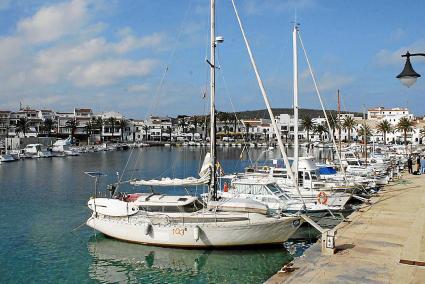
x: 392, y: 115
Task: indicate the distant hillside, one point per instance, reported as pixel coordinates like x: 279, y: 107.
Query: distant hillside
x: 263, y: 113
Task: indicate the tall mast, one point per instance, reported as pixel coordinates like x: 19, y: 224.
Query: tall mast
x: 295, y: 59
x: 339, y: 123
x: 212, y: 193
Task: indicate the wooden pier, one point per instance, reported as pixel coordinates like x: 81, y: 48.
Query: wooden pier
x: 381, y: 243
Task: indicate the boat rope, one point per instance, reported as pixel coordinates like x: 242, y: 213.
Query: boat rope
x: 321, y: 103
x: 159, y: 88
x: 266, y: 100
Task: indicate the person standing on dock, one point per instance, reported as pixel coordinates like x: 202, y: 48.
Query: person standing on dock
x: 418, y: 165
x: 410, y: 165
x: 423, y: 165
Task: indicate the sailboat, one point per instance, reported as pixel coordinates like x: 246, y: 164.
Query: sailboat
x: 186, y: 221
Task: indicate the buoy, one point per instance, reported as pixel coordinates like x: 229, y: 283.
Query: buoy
x: 322, y: 198
x: 196, y: 232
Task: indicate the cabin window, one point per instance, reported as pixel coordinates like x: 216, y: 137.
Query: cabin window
x: 306, y: 176
x: 273, y: 188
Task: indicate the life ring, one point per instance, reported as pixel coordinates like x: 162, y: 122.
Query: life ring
x: 265, y: 168
x: 225, y: 187
x: 322, y: 198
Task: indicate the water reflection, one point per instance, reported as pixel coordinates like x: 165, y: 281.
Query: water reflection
x: 115, y: 261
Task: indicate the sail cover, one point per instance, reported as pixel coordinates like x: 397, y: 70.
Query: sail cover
x: 204, y: 178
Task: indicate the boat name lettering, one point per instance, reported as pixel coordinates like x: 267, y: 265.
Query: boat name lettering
x: 178, y: 231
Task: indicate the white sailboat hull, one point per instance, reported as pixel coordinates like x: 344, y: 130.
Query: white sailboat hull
x: 197, y: 235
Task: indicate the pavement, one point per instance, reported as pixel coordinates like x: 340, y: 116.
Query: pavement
x: 380, y: 243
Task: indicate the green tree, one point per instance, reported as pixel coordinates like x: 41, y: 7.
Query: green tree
x: 145, y: 128
x: 89, y: 130
x: 247, y: 126
x: 112, y: 123
x: 348, y: 124
x: 384, y: 127
x: 364, y: 132
x: 307, y: 124
x: 123, y: 124
x: 22, y: 125
x: 406, y: 125
x: 320, y: 129
x: 72, y: 126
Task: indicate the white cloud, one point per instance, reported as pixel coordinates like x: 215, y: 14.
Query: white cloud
x: 326, y: 81
x: 386, y: 57
x: 108, y: 72
x: 53, y: 22
x: 141, y: 88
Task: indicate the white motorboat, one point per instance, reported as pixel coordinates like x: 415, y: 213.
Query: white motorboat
x: 37, y: 151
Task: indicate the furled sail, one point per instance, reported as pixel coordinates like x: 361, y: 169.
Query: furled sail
x: 204, y: 178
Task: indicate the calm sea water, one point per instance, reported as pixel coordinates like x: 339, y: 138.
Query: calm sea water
x: 43, y: 238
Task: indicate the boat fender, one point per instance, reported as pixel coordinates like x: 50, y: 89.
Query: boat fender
x: 148, y: 227
x: 322, y: 198
x: 225, y: 187
x: 196, y: 232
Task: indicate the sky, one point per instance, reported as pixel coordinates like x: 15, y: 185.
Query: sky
x: 147, y: 57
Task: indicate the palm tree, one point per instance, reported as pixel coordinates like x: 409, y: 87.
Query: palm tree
x: 97, y: 124
x: 384, y: 127
x: 247, y: 126
x: 123, y: 123
x: 48, y: 126
x: 22, y: 125
x: 112, y: 122
x: 224, y: 118
x: 349, y: 124
x: 71, y: 125
x: 307, y: 124
x: 364, y: 132
x: 405, y: 125
x: 182, y: 123
x: 89, y: 131
x: 320, y: 129
x: 145, y: 128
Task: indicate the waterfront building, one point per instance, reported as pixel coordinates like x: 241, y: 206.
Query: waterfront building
x: 111, y: 130
x: 4, y: 123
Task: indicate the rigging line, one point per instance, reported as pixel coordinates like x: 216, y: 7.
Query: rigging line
x: 125, y: 168
x: 263, y: 92
x: 170, y: 60
x: 321, y: 102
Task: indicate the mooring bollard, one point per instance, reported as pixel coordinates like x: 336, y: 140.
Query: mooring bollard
x: 328, y: 242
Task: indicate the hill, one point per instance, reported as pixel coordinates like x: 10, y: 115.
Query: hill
x: 263, y: 113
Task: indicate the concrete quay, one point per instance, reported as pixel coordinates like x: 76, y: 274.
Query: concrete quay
x: 380, y: 243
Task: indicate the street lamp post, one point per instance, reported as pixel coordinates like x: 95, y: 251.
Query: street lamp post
x: 409, y: 76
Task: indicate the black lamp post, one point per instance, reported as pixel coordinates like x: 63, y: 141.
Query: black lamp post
x: 408, y: 76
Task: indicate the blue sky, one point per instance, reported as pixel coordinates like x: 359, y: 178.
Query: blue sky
x: 112, y: 55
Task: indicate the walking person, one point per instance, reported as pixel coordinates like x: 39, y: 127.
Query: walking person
x: 423, y: 165
x: 418, y: 165
x: 410, y: 165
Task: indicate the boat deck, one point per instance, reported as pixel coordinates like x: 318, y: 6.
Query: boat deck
x: 382, y: 243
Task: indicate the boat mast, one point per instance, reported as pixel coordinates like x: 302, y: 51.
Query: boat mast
x: 212, y: 192
x: 339, y: 123
x: 295, y: 59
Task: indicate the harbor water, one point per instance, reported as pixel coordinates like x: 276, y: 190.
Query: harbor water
x: 43, y: 237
